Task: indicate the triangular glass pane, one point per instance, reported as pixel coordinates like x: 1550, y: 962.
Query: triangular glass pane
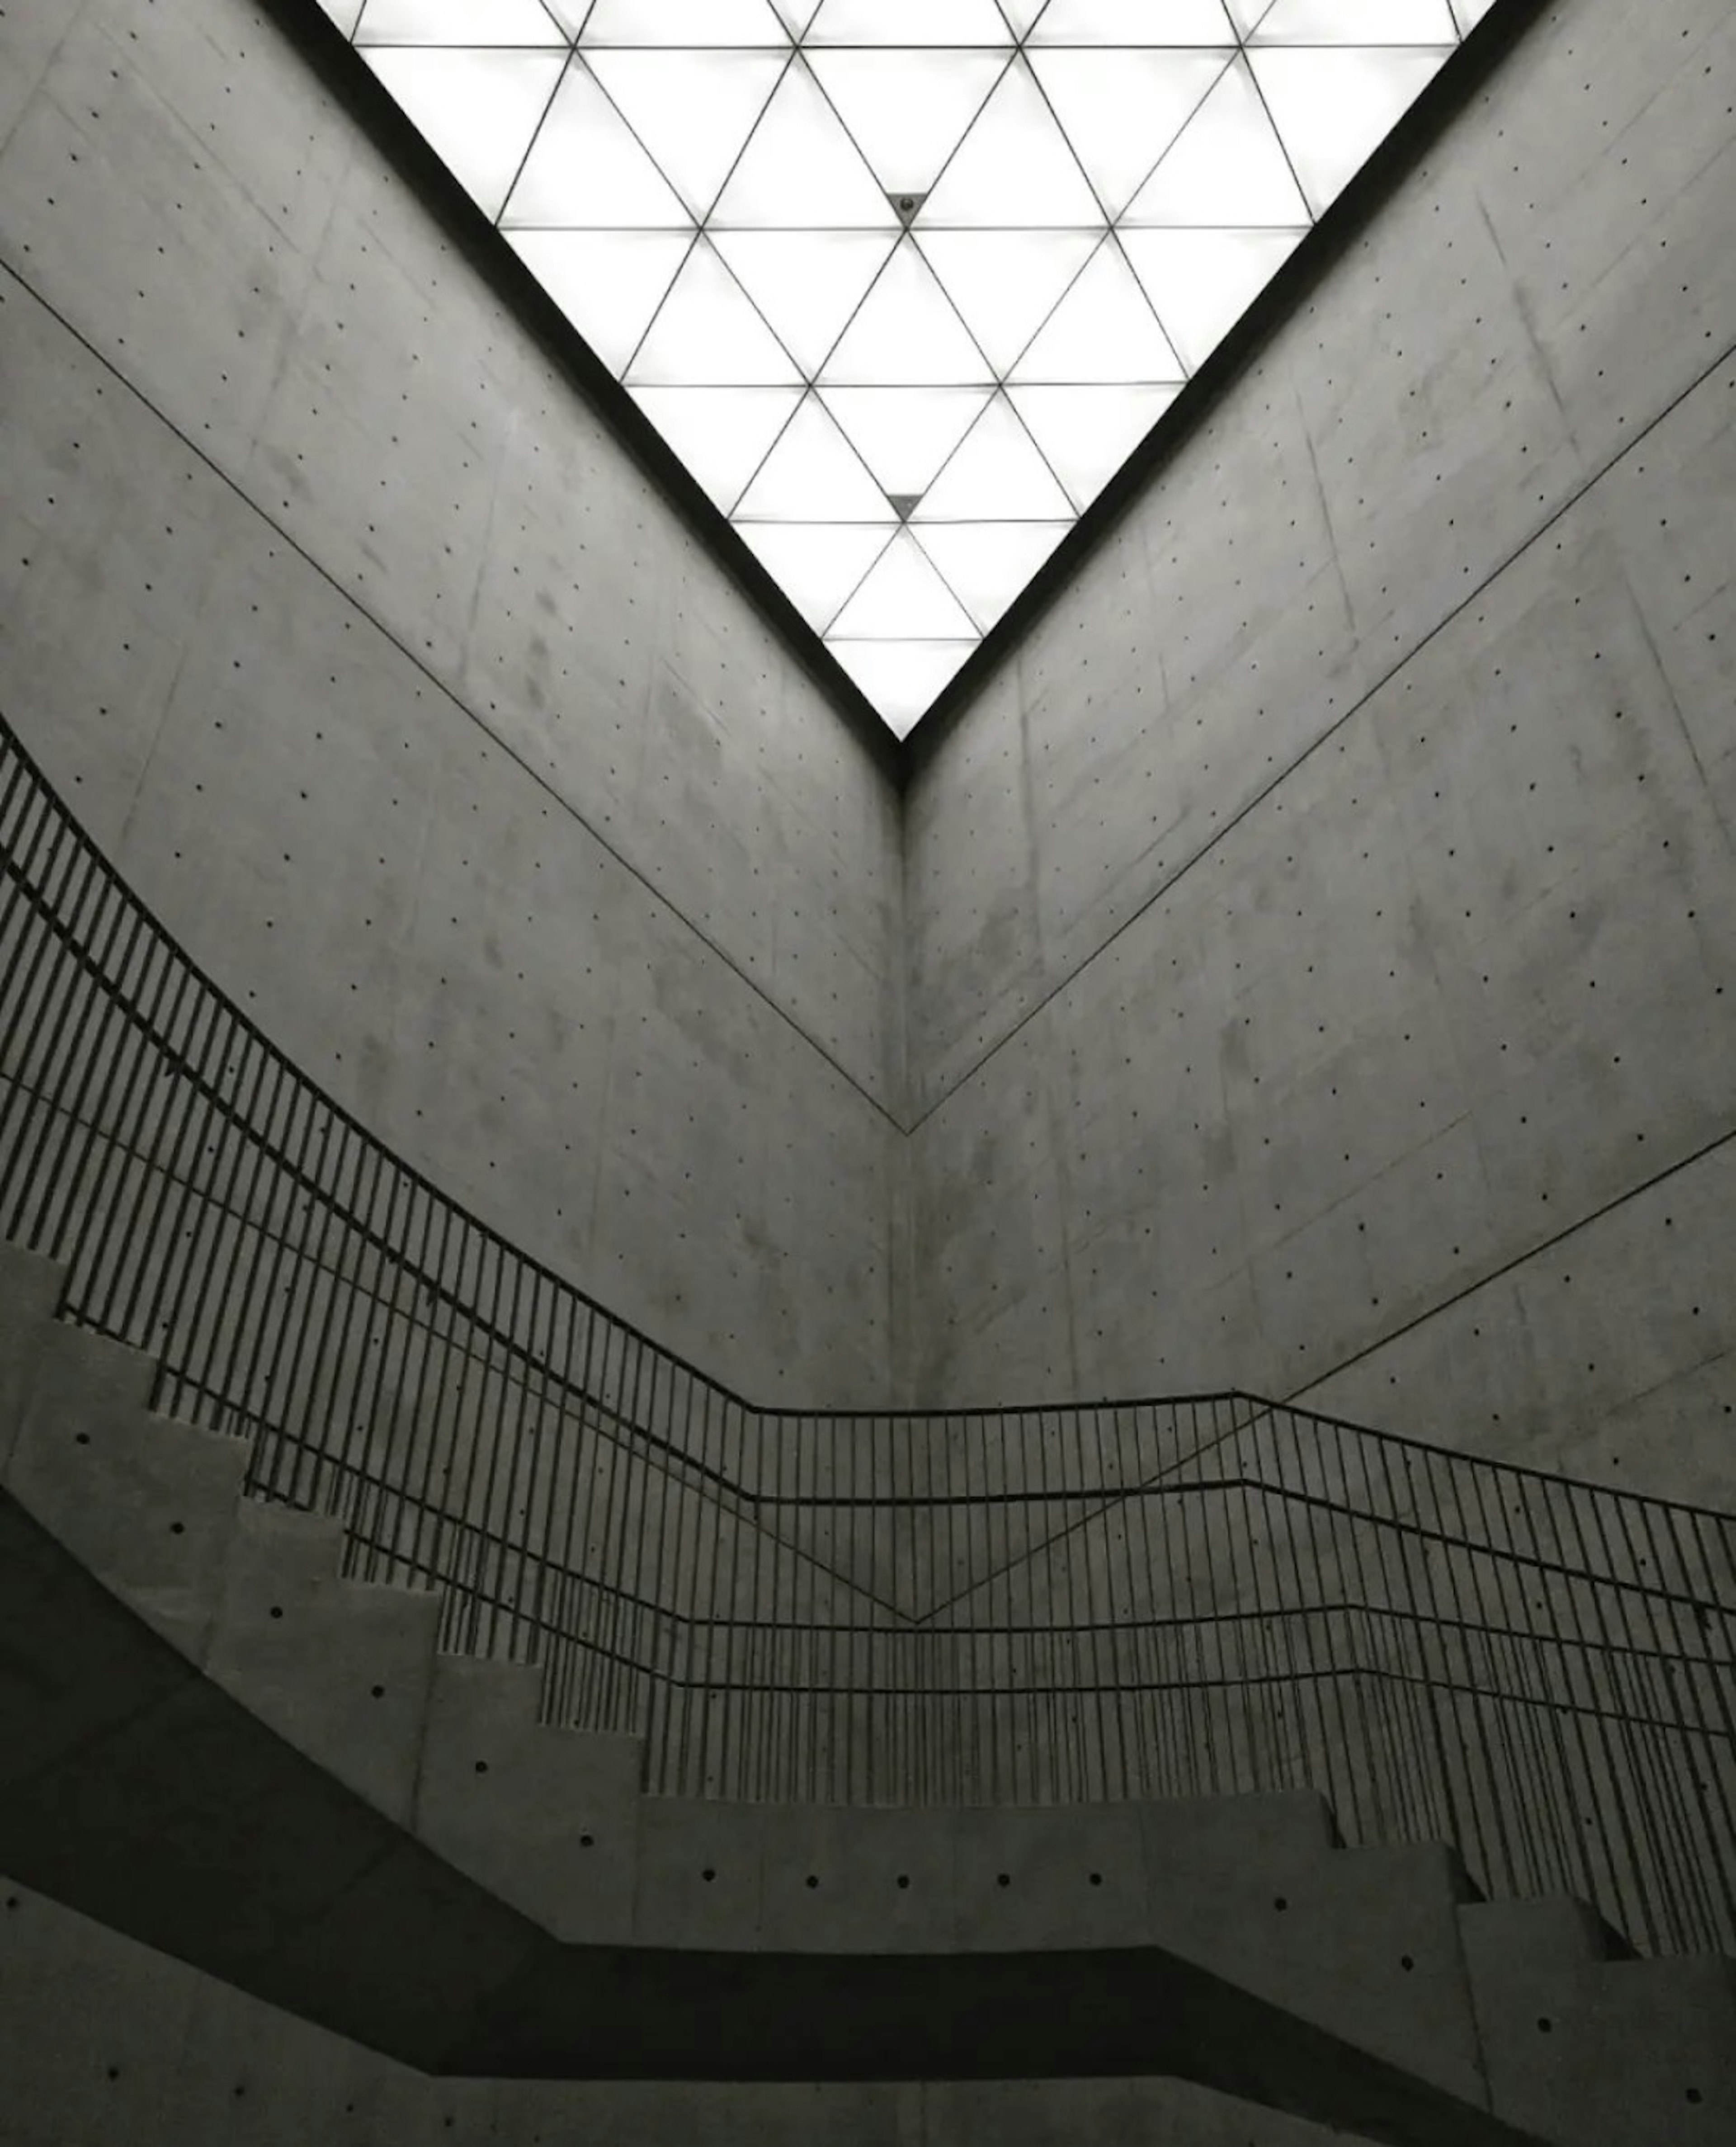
x: 801, y: 169
x: 813, y: 474
x: 1246, y: 14
x: 693, y: 111
x: 1470, y: 13
x: 477, y: 109
x: 1133, y: 23
x: 708, y: 335
x: 1087, y: 433
x: 1005, y: 283
x: 1021, y: 13
x: 1103, y: 329
x: 902, y: 599
x: 997, y: 475
x: 987, y: 564
x: 1333, y: 106
x: 721, y: 433
x: 1226, y: 166
x: 795, y: 15
x: 909, y: 22
x: 907, y: 334
x: 608, y: 283
x: 586, y: 168
x: 806, y: 283
x: 1200, y: 282
x: 816, y: 564
x: 1356, y: 22
x: 902, y: 679
x: 456, y: 22
x: 691, y: 22
x: 908, y: 110
x: 904, y: 434
x: 1122, y: 110
x: 1013, y: 168
x: 343, y: 13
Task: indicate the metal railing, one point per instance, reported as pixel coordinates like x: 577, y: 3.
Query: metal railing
x: 1137, y: 1599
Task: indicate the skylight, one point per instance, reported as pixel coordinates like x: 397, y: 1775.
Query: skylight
x: 903, y: 282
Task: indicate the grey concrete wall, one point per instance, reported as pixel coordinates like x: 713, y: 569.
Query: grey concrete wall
x: 1321, y: 927
x: 419, y: 715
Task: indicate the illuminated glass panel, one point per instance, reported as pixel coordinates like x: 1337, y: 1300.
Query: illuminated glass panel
x: 903, y: 282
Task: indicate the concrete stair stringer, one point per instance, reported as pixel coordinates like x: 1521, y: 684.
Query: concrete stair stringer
x: 224, y: 1748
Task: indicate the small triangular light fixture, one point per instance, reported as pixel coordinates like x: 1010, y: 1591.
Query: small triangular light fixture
x: 904, y: 504
x: 906, y: 207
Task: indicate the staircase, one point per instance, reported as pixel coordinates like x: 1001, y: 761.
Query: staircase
x: 215, y: 1742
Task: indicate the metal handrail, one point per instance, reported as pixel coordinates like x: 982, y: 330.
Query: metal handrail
x: 1183, y: 1596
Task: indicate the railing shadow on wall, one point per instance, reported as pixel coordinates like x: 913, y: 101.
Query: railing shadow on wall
x: 1157, y: 1598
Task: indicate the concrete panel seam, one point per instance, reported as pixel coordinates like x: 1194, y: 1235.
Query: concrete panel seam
x: 1246, y: 812
x: 11, y: 270
x: 1519, y: 1260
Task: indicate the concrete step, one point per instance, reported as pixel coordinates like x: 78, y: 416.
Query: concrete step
x: 1588, y: 2051
x: 341, y: 1668
x: 546, y: 1817
x: 30, y: 1292
x: 146, y: 1503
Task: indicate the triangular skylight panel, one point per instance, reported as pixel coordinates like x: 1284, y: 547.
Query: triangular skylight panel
x: 1133, y: 23
x: 1121, y: 110
x: 907, y: 334
x: 709, y: 334
x: 722, y: 434
x: 801, y: 168
x: 586, y: 168
x: 1227, y: 165
x: 909, y: 22
x: 608, y: 283
x: 461, y: 22
x: 808, y: 284
x: 1103, y: 330
x: 903, y: 282
x: 1006, y: 283
x: 813, y: 474
x: 986, y: 563
x: 818, y: 565
x: 1015, y: 168
x: 908, y: 110
x: 998, y: 474
x: 479, y: 107
x: 902, y: 678
x: 1087, y: 433
x: 681, y: 22
x: 1333, y: 107
x: 903, y: 599
x: 694, y: 112
x: 904, y: 434
x: 1200, y: 283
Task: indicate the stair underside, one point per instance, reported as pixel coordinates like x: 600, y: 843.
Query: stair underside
x: 134, y: 1790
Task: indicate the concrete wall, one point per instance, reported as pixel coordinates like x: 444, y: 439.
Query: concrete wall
x: 1323, y: 926
x: 419, y: 714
